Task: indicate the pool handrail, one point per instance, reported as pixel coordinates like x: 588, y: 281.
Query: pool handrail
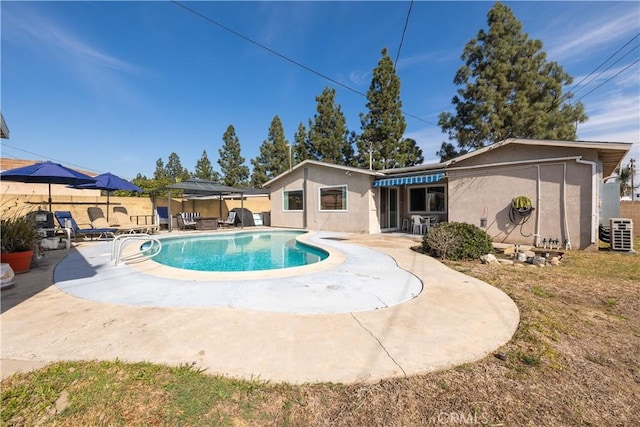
x: 119, y: 242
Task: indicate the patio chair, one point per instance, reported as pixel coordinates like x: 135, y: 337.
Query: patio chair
x: 65, y: 219
x: 162, y: 216
x: 231, y: 220
x: 418, y: 225
x: 98, y: 220
x: 121, y: 219
x: 185, y: 221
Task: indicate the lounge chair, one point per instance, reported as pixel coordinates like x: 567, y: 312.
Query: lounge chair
x: 186, y: 221
x: 66, y: 221
x: 162, y: 216
x: 98, y: 220
x: 231, y: 220
x: 122, y: 220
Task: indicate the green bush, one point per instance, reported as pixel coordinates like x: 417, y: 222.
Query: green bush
x: 456, y: 241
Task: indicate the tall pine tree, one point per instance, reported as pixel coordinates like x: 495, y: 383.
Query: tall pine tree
x: 234, y: 172
x: 274, y: 155
x: 301, y: 146
x: 204, y: 169
x: 328, y: 131
x: 174, y: 169
x: 384, y: 125
x: 160, y: 172
x: 508, y: 90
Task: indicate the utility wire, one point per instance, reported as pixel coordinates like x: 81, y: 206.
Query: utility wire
x: 286, y: 58
x: 610, y: 78
x: 4, y: 144
x: 406, y: 24
x: 606, y: 69
x: 267, y: 48
x: 570, y: 91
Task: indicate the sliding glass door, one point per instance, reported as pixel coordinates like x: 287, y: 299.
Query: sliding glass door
x: 389, y: 206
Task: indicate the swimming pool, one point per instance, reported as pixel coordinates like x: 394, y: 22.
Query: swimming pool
x: 244, y: 251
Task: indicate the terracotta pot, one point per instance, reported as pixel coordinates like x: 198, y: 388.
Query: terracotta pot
x: 20, y: 262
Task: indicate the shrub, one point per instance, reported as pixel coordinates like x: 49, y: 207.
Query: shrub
x: 19, y: 234
x: 456, y: 241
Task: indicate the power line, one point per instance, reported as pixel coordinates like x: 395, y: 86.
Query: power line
x: 570, y: 91
x: 286, y: 58
x: 4, y: 144
x: 267, y: 48
x: 406, y: 24
x: 606, y: 69
x: 610, y: 78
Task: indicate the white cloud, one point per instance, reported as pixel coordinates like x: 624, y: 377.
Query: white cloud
x: 591, y: 35
x: 42, y: 32
x: 428, y: 57
x: 429, y: 139
x: 360, y: 77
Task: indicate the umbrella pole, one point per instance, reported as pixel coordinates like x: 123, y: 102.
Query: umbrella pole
x: 108, y: 192
x: 50, y: 198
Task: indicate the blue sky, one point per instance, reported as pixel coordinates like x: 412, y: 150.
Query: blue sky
x: 113, y: 86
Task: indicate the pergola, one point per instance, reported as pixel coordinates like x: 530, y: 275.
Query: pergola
x: 202, y: 187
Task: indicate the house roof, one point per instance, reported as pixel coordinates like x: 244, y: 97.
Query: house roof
x: 611, y: 153
x: 328, y: 165
x: 412, y: 170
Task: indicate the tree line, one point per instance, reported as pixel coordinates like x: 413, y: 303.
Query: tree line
x: 507, y: 89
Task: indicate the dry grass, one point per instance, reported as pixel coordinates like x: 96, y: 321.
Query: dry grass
x: 573, y: 361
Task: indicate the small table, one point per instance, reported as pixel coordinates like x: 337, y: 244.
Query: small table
x: 206, y: 223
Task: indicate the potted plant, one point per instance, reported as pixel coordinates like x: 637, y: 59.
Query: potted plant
x: 20, y: 237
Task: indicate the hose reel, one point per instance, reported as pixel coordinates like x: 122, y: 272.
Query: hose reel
x: 520, y: 211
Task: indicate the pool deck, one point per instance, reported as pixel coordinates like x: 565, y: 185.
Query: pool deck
x: 454, y: 320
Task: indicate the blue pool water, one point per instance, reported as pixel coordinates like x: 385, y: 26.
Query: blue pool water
x: 245, y: 251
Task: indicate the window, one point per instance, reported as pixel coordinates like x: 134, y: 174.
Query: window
x: 293, y: 201
x: 417, y: 200
x: 435, y: 196
x: 333, y: 198
x: 427, y: 199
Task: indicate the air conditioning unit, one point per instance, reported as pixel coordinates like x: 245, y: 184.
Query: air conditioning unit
x: 621, y: 230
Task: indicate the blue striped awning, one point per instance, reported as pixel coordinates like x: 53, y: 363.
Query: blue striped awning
x: 409, y: 180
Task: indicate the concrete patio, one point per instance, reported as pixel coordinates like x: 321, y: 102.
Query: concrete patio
x: 455, y: 319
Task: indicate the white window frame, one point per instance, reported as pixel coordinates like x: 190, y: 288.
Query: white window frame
x: 346, y: 198
x: 426, y: 199
x: 285, y: 199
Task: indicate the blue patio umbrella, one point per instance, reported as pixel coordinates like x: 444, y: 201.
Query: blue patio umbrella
x: 46, y: 173
x: 109, y: 182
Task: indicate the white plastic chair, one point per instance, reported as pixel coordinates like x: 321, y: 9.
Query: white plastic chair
x: 418, y: 226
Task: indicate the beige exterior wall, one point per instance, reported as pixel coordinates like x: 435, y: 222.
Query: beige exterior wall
x: 360, y: 216
x: 631, y: 210
x: 20, y: 198
x: 560, y: 192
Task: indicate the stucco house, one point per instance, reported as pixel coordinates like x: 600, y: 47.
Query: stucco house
x: 559, y: 181
x: 323, y: 196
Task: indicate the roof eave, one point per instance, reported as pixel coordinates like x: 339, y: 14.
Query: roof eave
x: 325, y: 164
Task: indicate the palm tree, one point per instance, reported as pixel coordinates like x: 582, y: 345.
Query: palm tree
x: 624, y: 178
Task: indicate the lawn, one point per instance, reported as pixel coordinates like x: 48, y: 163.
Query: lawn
x: 574, y: 360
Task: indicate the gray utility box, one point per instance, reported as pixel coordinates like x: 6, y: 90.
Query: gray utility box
x: 621, y: 234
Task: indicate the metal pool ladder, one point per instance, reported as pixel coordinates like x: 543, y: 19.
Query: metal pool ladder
x: 121, y: 240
